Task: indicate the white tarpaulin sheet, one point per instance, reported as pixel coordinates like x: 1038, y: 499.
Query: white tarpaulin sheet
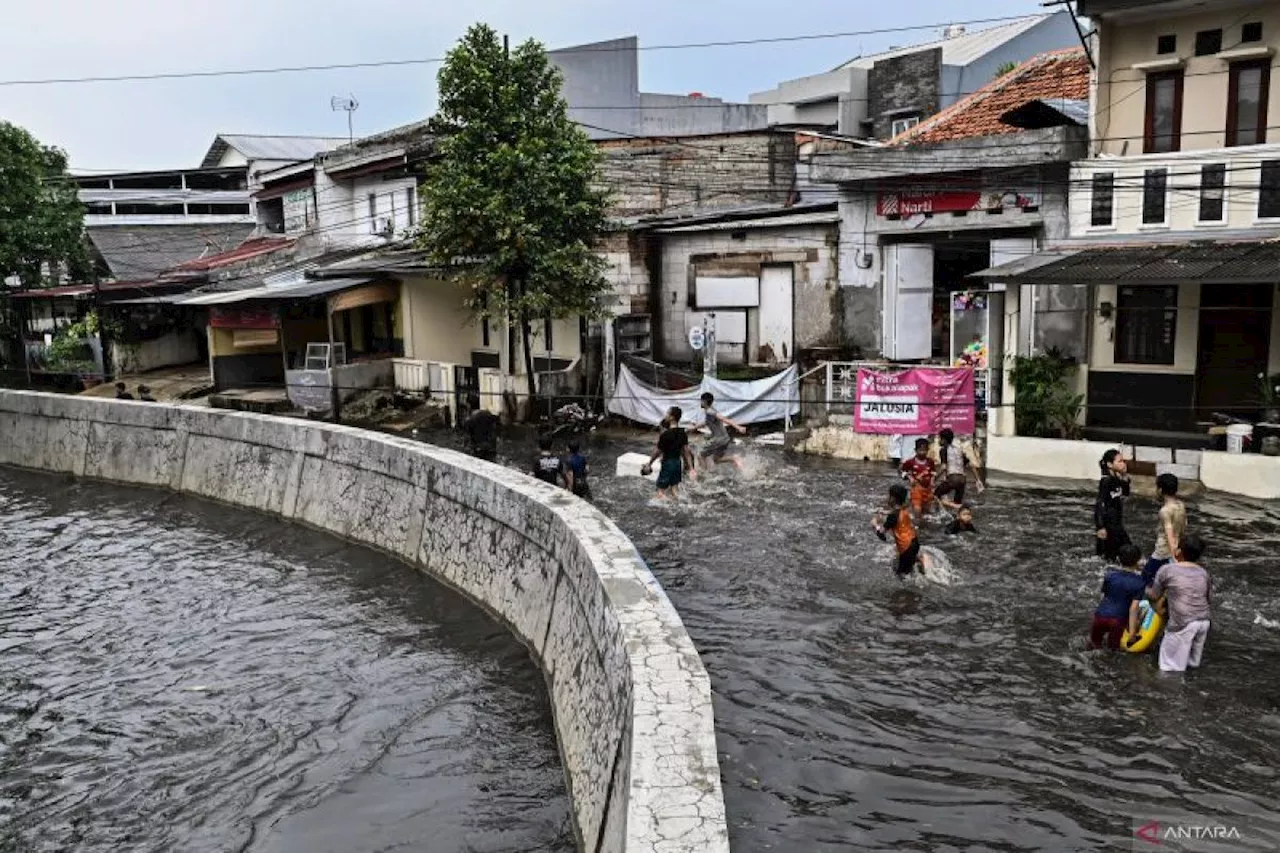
x: 769, y: 399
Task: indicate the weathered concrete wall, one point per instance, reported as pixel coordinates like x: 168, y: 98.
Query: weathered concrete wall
x: 811, y: 250
x: 632, y: 701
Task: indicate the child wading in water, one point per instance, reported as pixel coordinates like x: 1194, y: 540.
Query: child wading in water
x: 954, y: 464
x: 576, y: 469
x: 1170, y: 527
x: 715, y: 451
x: 898, y: 522
x: 673, y: 447
x: 1108, y: 510
x: 963, y: 521
x: 1122, y: 594
x: 919, y: 470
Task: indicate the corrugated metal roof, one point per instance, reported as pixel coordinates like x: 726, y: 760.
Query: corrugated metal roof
x: 292, y: 291
x: 295, y: 148
x: 1202, y: 262
x: 963, y: 49
x: 142, y: 252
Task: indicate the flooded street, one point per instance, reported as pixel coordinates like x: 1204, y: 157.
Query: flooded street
x: 182, y: 676
x: 855, y: 713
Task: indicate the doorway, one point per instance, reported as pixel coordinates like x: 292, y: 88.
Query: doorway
x: 1233, y: 348
x: 953, y: 263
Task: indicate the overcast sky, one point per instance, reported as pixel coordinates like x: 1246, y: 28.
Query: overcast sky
x: 170, y: 123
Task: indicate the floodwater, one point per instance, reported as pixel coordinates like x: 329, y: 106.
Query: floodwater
x: 856, y: 713
x: 181, y: 676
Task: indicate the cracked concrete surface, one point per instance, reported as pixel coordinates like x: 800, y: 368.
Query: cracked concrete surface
x: 631, y: 699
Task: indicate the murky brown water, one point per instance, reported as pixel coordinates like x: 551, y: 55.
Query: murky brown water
x: 181, y: 676
x: 857, y: 714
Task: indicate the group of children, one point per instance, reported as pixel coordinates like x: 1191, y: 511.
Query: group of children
x: 1172, y: 581
x: 570, y: 470
x: 908, y: 506
x: 676, y: 454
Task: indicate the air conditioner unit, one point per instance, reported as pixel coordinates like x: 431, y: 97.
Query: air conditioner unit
x: 384, y: 226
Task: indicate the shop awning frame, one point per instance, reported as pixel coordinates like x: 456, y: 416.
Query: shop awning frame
x: 301, y: 290
x: 1254, y: 262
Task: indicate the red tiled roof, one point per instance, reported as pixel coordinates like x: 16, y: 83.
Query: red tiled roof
x: 1059, y: 74
x: 247, y: 249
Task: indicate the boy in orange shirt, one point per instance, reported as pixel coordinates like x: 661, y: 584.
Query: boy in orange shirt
x: 898, y: 522
x: 919, y: 470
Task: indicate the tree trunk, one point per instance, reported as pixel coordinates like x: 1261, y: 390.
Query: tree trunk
x: 525, y: 342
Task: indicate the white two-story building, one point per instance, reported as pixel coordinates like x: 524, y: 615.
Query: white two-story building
x: 1175, y: 220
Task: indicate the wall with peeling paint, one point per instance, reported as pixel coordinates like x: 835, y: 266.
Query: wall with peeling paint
x: 631, y: 699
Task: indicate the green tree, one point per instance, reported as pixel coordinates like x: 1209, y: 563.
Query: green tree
x: 41, y: 218
x: 512, y: 202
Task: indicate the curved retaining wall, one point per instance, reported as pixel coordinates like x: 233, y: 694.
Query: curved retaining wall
x: 631, y: 699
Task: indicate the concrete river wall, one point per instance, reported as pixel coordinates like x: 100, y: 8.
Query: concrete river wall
x: 631, y: 699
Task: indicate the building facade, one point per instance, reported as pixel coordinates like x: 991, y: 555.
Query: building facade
x: 1175, y: 217
x: 883, y: 94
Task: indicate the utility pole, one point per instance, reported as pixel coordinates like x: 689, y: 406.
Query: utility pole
x: 709, y: 345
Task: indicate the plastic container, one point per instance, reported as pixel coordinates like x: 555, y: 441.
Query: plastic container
x: 1238, y: 437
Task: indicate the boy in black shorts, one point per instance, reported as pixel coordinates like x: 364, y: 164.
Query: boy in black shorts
x: 898, y: 522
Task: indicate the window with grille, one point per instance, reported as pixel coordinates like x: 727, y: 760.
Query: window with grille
x: 1213, y: 185
x: 1104, y: 196
x: 1146, y: 324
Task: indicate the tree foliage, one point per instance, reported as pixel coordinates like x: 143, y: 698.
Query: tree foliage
x: 512, y: 201
x: 41, y: 218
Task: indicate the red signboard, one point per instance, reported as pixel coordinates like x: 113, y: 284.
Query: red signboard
x: 913, y: 202
x: 243, y: 317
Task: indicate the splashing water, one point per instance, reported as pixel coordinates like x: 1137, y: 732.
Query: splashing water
x: 1264, y: 622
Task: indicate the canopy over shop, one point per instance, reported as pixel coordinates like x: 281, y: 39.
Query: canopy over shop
x: 257, y: 336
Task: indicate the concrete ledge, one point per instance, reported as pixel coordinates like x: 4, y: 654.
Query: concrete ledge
x: 631, y: 699
x: 1045, y: 457
x: 1248, y: 474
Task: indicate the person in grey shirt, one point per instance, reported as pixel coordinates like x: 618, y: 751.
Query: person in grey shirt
x: 1189, y: 594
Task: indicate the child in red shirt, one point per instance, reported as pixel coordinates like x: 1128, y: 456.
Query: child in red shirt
x: 919, y: 470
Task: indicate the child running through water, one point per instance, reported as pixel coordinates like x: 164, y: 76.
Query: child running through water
x: 954, y: 465
x: 1108, y: 510
x: 716, y: 450
x: 1120, y: 608
x: 1170, y: 526
x: 919, y: 470
x: 898, y: 522
x: 673, y: 447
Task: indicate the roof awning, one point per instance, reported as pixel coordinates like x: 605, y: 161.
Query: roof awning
x: 301, y: 290
x: 1201, y: 262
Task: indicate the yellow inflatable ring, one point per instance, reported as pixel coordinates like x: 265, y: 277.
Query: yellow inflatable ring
x: 1149, y: 629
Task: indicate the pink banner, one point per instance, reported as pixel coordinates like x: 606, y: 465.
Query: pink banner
x: 915, y: 401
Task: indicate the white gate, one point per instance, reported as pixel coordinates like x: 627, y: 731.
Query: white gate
x: 908, y: 301
x: 777, y: 313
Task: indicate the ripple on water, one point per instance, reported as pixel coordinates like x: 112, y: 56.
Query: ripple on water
x: 183, y: 676
x: 853, y: 712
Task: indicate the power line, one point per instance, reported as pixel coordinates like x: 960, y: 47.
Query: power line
x: 343, y: 66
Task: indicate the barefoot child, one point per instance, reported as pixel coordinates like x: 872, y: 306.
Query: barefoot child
x: 576, y: 469
x: 1108, y: 510
x: 1120, y: 608
x: 715, y: 451
x: 898, y: 522
x: 919, y: 470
